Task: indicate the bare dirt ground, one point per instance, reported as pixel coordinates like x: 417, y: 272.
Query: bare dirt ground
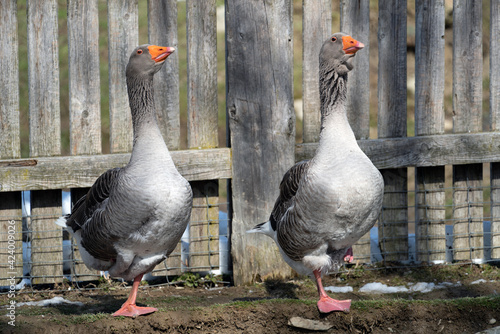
x: 267, y: 307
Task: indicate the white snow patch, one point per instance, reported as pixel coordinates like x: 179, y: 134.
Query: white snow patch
x: 51, y: 302
x: 382, y: 288
x: 481, y: 280
x: 339, y: 289
x: 422, y: 287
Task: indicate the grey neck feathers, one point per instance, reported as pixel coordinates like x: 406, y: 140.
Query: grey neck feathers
x: 333, y: 92
x: 142, y: 105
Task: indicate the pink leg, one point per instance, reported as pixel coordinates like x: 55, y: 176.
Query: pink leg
x: 348, y: 256
x: 129, y: 309
x: 327, y: 304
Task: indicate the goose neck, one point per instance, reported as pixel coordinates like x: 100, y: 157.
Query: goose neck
x: 142, y: 105
x: 333, y: 94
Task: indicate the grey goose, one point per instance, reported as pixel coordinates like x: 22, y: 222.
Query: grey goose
x: 327, y: 203
x: 132, y: 217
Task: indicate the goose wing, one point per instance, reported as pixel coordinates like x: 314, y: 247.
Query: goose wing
x: 288, y: 188
x: 88, y: 214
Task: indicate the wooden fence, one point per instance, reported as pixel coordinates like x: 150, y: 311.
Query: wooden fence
x: 261, y: 123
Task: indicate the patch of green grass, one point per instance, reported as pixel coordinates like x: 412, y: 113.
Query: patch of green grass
x: 193, y: 280
x: 491, y: 302
x: 87, y: 318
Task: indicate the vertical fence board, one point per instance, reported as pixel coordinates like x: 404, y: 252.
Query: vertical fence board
x: 46, y: 237
x: 84, y: 96
x: 429, y: 120
x: 11, y: 244
x: 84, y: 80
x: 204, y: 227
x: 355, y: 20
x: 495, y: 123
x: 261, y: 119
x: 9, y: 83
x: 162, y: 23
x: 123, y: 31
x: 393, y: 222
x: 317, y: 27
x: 43, y: 76
x: 202, y: 128
x: 10, y: 202
x: 45, y: 137
x: 467, y: 117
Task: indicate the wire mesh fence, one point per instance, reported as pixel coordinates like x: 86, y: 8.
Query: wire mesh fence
x: 416, y: 230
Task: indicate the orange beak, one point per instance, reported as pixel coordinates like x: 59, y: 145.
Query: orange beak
x: 351, y: 46
x: 160, y: 53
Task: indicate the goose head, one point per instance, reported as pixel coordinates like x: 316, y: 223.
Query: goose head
x: 147, y: 59
x: 337, y: 53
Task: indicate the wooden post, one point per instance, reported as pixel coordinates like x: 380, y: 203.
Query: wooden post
x: 317, y: 27
x: 355, y: 20
x: 429, y: 120
x: 123, y: 32
x: 467, y: 117
x: 45, y: 137
x: 11, y: 248
x: 495, y: 124
x: 162, y: 23
x: 202, y: 129
x: 84, y: 96
x: 259, y: 40
x: 393, y: 222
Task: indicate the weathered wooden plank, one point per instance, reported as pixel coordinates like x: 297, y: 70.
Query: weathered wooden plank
x: 10, y: 203
x: 202, y: 73
x: 393, y: 228
x: 84, y: 95
x: 45, y: 137
x: 316, y: 28
x: 84, y: 80
x: 467, y: 117
x: 162, y: 23
x: 495, y: 123
x: 261, y: 120
x: 123, y: 32
x: 82, y: 171
x: 429, y: 120
x: 11, y: 243
x: 204, y: 227
x: 202, y: 128
x: 46, y: 237
x: 9, y: 83
x: 495, y: 210
x: 43, y: 76
x: 355, y: 20
x: 430, y: 214
x: 424, y: 151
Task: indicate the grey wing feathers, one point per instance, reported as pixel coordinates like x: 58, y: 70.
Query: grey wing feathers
x: 288, y: 189
x: 88, y: 216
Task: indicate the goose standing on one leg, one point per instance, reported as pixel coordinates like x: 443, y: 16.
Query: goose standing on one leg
x: 133, y: 217
x: 327, y: 203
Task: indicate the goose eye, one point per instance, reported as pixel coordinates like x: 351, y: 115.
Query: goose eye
x: 139, y: 51
x: 334, y: 39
